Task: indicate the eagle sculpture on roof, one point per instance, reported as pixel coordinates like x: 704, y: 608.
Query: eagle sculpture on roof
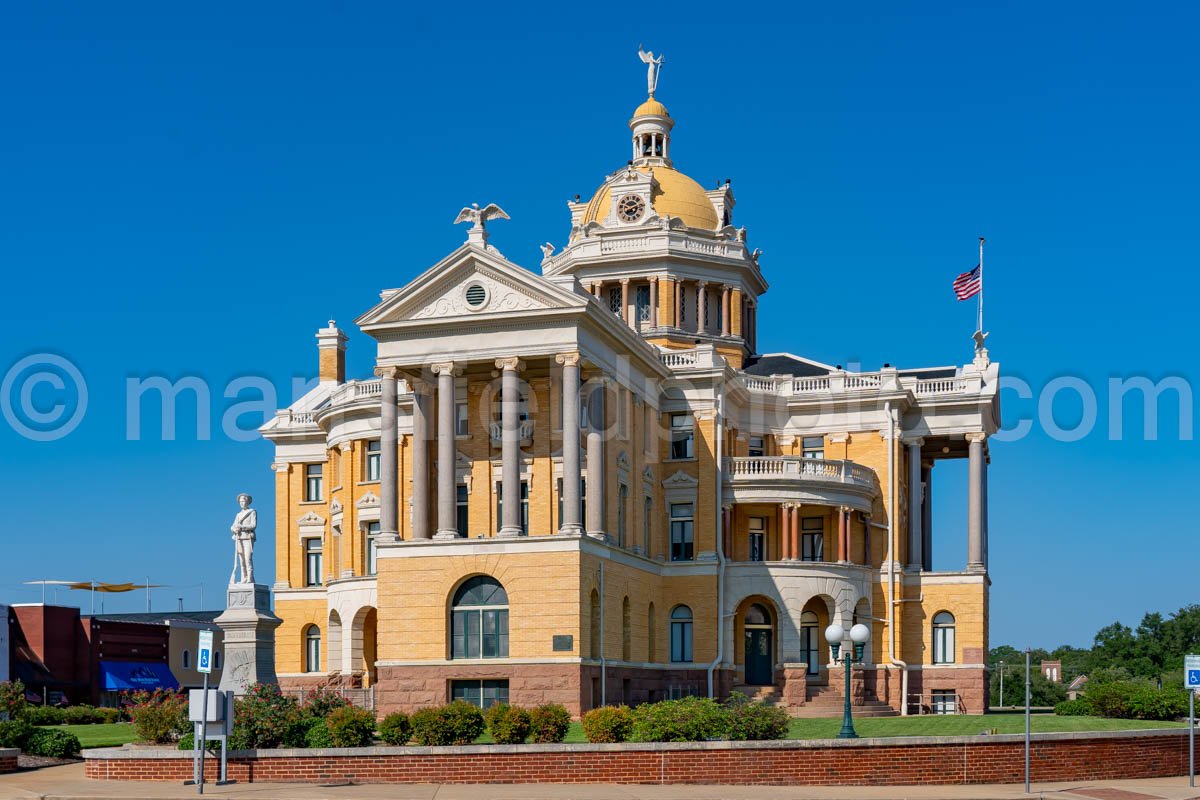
x: 479, y: 217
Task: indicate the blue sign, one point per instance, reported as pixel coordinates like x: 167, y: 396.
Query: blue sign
x: 204, y: 653
x: 1191, y: 672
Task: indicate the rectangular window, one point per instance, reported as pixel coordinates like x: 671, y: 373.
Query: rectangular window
x: 643, y: 304
x: 312, y: 561
x: 374, y: 451
x: 313, y: 489
x: 756, y: 449
x: 813, y: 446
x: 683, y: 435
x: 460, y: 418
x: 614, y: 300
x: 484, y: 694
x: 524, y: 506
x: 812, y: 539
x: 682, y: 305
x: 479, y: 633
x: 943, y: 701
x: 757, y: 528
x: 681, y: 532
x: 681, y: 640
x: 372, y: 538
x: 460, y: 508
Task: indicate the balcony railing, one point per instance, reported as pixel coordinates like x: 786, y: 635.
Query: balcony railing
x: 356, y: 390
x: 525, y: 429
x: 743, y: 468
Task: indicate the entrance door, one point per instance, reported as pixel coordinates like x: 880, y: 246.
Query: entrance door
x: 809, y: 643
x: 760, y: 662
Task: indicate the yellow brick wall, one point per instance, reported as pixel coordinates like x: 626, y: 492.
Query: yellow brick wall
x: 297, y: 615
x: 964, y: 601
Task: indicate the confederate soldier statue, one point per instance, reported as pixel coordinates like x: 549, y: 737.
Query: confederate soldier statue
x: 243, y: 540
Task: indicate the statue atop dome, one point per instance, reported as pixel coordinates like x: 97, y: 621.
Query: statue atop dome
x: 653, y: 66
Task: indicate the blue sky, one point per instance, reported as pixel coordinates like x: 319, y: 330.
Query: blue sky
x: 194, y: 192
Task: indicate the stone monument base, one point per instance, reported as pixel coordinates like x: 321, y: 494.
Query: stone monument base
x: 249, y: 629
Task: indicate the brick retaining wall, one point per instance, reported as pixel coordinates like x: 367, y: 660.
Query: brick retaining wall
x: 863, y: 762
x: 8, y: 760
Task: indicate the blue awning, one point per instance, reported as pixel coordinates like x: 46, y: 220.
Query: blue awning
x: 119, y: 676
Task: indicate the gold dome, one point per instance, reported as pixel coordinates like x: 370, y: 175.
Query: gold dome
x: 675, y: 195
x: 651, y: 108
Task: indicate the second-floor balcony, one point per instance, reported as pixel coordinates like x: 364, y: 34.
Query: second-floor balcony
x: 524, y: 429
x: 769, y: 479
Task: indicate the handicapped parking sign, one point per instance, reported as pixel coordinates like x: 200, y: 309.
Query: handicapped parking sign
x: 1191, y: 672
x: 204, y: 653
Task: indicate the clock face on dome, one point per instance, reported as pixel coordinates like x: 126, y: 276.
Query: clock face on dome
x: 631, y: 207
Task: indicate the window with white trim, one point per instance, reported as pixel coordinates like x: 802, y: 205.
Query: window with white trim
x: 943, y: 638
x: 374, y: 453
x: 314, y: 490
x: 371, y: 543
x: 681, y: 634
x: 813, y: 446
x: 683, y: 436
x: 812, y: 539
x: 479, y: 619
x: 312, y: 649
x: 312, y: 561
x: 682, y: 533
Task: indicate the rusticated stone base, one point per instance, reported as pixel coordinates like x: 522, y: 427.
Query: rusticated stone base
x: 971, y: 685
x: 8, y: 760
x: 578, y: 687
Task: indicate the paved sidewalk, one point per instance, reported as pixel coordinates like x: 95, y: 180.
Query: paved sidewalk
x: 67, y: 783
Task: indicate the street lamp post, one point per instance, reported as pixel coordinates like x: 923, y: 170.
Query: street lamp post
x: 1002, y: 684
x: 859, y: 635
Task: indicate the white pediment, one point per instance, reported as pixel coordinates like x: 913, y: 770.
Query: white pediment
x: 311, y: 520
x: 335, y: 508
x: 471, y: 283
x: 368, y: 500
x: 680, y: 480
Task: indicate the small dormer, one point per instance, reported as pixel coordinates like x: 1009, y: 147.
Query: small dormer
x: 723, y: 202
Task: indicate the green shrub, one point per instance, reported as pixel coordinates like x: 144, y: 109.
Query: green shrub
x: 12, y: 698
x: 507, y: 724
x: 454, y: 723
x: 15, y: 733
x: 608, y: 724
x: 691, y: 719
x: 351, y: 726
x: 321, y: 702
x: 107, y: 715
x: 318, y: 736
x: 549, y: 723
x: 159, y: 717
x: 188, y: 742
x: 262, y: 716
x: 395, y: 728
x: 53, y: 743
x: 80, y: 715
x: 747, y: 721
x: 1075, y: 708
x: 44, y: 715
x: 1148, y: 702
x: 296, y: 734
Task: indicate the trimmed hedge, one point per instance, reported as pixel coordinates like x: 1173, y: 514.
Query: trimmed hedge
x: 747, y: 721
x: 507, y: 724
x: 454, y: 723
x: 690, y: 719
x: 1136, y: 700
x: 395, y: 728
x: 15, y: 733
x: 1075, y: 708
x: 350, y: 726
x: 608, y: 724
x: 44, y: 715
x: 53, y: 743
x: 549, y: 723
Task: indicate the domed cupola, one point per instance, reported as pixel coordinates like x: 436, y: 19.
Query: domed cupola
x: 651, y: 126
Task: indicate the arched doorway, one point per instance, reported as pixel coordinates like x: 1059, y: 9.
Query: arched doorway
x: 810, y: 642
x: 760, y: 646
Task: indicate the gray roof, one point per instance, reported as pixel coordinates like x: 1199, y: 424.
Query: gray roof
x: 160, y: 618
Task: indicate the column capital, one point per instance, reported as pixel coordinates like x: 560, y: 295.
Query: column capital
x: 514, y: 363
x: 392, y: 373
x: 913, y: 440
x: 701, y: 284
x: 624, y: 281
x: 978, y: 436
x: 571, y: 359
x: 446, y: 368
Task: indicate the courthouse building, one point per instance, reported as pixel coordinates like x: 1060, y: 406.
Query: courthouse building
x: 583, y: 483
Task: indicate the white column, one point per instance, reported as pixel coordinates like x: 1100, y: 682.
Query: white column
x: 420, y: 476
x: 571, y: 523
x: 701, y: 299
x: 975, y: 562
x: 595, y: 460
x: 916, y: 501
x: 927, y: 514
x: 510, y: 446
x: 389, y: 479
x: 725, y: 310
x: 653, y: 303
x: 447, y: 522
x: 626, y: 314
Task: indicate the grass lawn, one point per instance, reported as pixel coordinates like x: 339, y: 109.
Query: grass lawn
x: 112, y: 734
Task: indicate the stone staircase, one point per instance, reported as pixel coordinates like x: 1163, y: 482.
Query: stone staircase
x: 767, y: 695
x: 824, y: 701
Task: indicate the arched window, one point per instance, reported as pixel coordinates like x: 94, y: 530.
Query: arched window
x: 810, y: 644
x: 312, y: 649
x: 681, y: 634
x: 187, y: 660
x: 479, y: 619
x: 594, y: 611
x: 626, y: 634
x: 943, y: 638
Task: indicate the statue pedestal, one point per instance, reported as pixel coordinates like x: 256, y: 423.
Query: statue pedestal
x: 249, y: 629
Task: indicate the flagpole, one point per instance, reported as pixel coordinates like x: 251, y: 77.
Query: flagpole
x: 981, y: 284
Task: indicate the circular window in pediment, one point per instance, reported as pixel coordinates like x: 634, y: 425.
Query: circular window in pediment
x: 476, y: 295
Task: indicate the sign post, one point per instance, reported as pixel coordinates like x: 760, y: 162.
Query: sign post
x: 204, y: 655
x: 1191, y: 681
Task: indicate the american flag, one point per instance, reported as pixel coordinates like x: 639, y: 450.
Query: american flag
x: 968, y: 284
